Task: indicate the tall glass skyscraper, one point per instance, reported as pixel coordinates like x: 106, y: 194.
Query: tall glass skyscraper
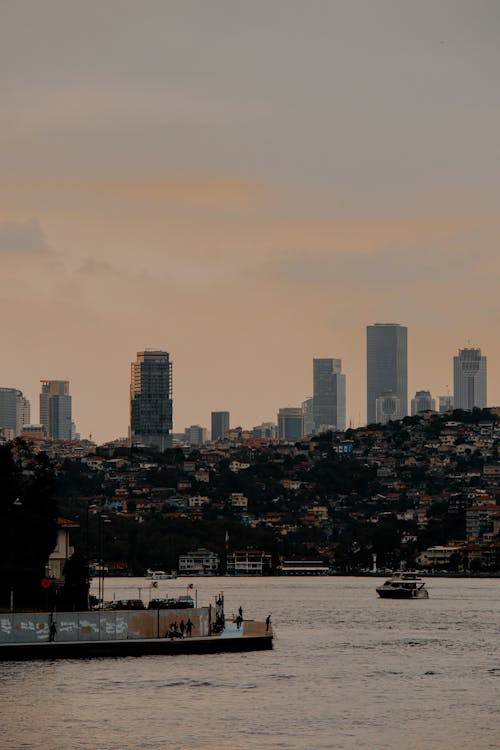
x: 328, y: 394
x: 387, y: 367
x: 220, y: 424
x: 14, y: 410
x: 151, y: 398
x: 469, y: 379
x: 55, y: 409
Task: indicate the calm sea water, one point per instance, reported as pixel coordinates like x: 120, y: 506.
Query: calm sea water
x: 348, y: 670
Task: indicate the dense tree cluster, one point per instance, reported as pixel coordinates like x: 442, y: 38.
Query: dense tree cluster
x: 28, y: 523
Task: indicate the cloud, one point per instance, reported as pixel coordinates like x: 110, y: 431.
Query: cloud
x: 27, y: 237
x: 384, y: 269
x: 93, y: 267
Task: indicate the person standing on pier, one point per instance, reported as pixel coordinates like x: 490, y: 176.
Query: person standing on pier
x: 189, y: 627
x: 52, y: 631
x: 268, y: 623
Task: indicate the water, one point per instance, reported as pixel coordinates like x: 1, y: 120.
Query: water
x: 348, y: 670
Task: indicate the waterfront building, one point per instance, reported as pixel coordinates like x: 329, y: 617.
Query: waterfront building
x: 199, y: 562
x: 302, y: 568
x: 290, y: 423
x: 387, y: 407
x: 423, y: 401
x: 445, y: 404
x: 440, y: 556
x: 14, y: 410
x: 248, y: 562
x: 328, y: 395
x: 55, y: 409
x: 387, y: 366
x: 469, y: 379
x: 151, y: 398
x: 220, y: 425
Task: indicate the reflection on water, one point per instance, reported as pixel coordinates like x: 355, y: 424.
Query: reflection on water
x: 348, y: 670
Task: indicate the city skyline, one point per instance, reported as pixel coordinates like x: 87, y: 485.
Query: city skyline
x: 252, y: 208
x: 328, y: 382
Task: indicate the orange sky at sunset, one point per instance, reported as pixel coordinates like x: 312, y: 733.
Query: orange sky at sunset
x: 246, y: 185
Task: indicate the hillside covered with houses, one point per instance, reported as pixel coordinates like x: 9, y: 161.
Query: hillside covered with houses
x: 423, y: 492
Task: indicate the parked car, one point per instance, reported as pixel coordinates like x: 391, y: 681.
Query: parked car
x: 127, y: 604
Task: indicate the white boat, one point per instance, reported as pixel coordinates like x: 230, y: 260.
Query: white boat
x: 160, y: 575
x: 403, y: 586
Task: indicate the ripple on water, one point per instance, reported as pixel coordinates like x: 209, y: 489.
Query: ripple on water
x: 347, y: 673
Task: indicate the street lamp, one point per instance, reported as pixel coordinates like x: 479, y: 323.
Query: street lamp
x: 15, y: 506
x: 102, y: 521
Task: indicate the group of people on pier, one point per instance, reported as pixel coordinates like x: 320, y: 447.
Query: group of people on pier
x: 177, y: 630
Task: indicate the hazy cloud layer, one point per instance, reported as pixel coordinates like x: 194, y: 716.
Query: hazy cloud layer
x: 27, y: 237
x: 246, y: 185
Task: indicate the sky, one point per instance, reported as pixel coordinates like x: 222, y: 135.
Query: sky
x: 247, y: 186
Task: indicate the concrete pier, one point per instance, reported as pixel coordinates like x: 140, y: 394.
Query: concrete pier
x: 84, y: 635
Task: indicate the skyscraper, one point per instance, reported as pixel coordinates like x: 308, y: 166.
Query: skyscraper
x: 220, y: 424
x: 14, y: 410
x: 23, y: 412
x: 422, y: 401
x: 328, y: 394
x: 308, y: 413
x: 151, y: 398
x: 469, y: 379
x: 55, y: 409
x: 387, y: 368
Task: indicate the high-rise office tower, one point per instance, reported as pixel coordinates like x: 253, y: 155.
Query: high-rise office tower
x: 55, y: 409
x: 23, y: 412
x: 328, y: 395
x: 423, y: 401
x: 387, y: 368
x: 290, y: 423
x: 469, y: 379
x: 14, y: 410
x: 151, y: 398
x: 220, y: 425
